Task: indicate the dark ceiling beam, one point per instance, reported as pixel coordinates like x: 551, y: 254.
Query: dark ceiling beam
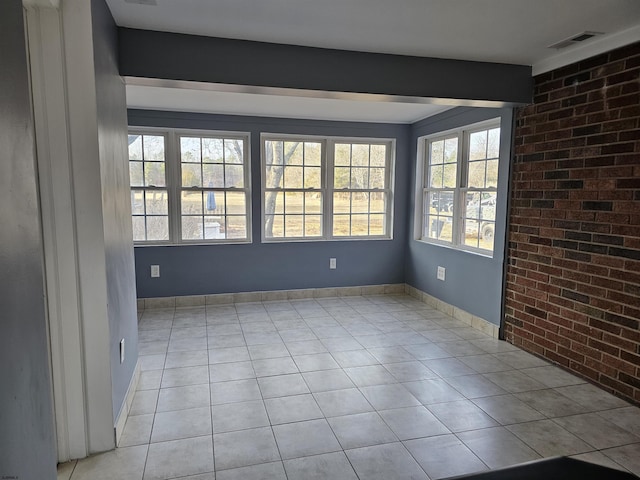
x: 172, y: 56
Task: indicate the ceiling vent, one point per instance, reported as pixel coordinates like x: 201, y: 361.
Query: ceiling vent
x: 580, y: 37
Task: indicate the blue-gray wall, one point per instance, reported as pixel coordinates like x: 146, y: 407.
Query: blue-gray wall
x: 242, y: 62
x: 473, y: 282
x: 26, y: 408
x: 208, y: 269
x: 116, y: 208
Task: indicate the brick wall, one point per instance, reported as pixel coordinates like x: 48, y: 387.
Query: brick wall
x: 573, y: 279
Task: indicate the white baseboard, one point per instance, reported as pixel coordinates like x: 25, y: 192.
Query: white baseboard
x: 268, y: 296
x: 126, y: 406
x: 473, y: 321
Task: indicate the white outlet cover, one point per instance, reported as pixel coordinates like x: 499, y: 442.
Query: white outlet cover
x: 441, y: 273
x: 155, y: 271
x: 332, y: 263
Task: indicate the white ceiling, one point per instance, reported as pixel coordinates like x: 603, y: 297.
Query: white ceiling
x: 505, y: 31
x: 267, y: 104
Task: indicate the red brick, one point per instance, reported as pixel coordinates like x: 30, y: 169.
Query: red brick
x: 574, y: 247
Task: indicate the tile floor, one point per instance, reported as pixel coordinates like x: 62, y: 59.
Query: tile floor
x: 379, y: 387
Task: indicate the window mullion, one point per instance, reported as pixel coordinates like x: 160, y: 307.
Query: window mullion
x: 458, y: 207
x: 327, y: 159
x: 174, y: 186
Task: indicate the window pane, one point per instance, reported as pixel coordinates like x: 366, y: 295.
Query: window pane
x: 273, y: 152
x: 191, y: 175
x: 341, y: 225
x: 478, y: 145
x: 487, y: 231
x: 235, y: 203
x: 274, y: 177
x: 158, y: 228
x: 212, y: 150
x: 471, y: 233
x: 360, y: 203
x: 154, y: 174
x: 278, y: 198
x: 360, y: 155
x: 213, y: 227
x: 135, y: 147
x: 493, y: 143
x: 212, y: 175
x: 442, y: 202
x: 293, y: 202
x: 312, y: 154
x: 342, y: 177
x: 342, y: 154
x: 192, y: 228
x: 437, y: 152
x: 377, y: 178
x: 292, y: 177
x: 153, y: 147
x: 488, y: 207
x: 233, y: 151
x: 236, y: 227
x: 341, y: 202
x: 435, y: 176
x: 294, y: 153
x: 378, y: 156
x: 293, y: 225
x: 312, y: 203
x: 312, y: 177
x: 234, y: 176
x: 138, y: 229
x: 377, y: 224
x: 191, y: 203
x: 313, y: 226
x: 477, y: 174
x: 378, y: 203
x: 451, y: 150
x: 135, y: 174
x: 190, y: 149
x: 137, y: 202
x: 274, y: 226
x: 359, y: 178
x: 473, y: 205
x: 440, y: 227
x: 156, y: 202
x: 449, y: 176
x: 359, y: 225
x: 211, y: 202
x: 492, y: 174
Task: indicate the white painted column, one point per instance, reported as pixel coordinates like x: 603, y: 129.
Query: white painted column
x: 64, y: 97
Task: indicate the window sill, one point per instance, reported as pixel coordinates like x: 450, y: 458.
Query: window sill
x: 458, y: 248
x: 189, y: 244
x: 322, y: 240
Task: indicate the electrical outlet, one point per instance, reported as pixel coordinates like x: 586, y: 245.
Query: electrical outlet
x: 441, y: 273
x: 122, y: 351
x: 155, y: 271
x: 332, y: 263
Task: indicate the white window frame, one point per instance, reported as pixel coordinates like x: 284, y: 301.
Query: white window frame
x: 327, y: 190
x: 173, y: 179
x: 460, y: 190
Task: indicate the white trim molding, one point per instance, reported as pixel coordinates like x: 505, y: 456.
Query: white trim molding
x: 49, y: 90
x: 123, y: 414
x: 60, y: 43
